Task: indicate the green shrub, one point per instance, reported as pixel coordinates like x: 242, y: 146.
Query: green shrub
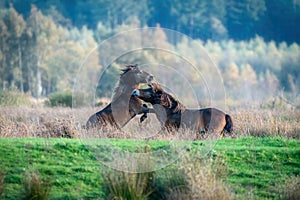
x: 80, y: 99
x: 60, y: 98
x: 13, y: 97
x: 66, y: 99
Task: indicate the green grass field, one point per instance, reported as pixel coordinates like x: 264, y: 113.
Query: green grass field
x: 256, y: 167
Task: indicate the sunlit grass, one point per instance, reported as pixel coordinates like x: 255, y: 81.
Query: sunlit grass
x: 247, y: 166
x: 253, y: 165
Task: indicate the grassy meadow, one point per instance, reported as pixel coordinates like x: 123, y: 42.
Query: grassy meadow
x: 58, y: 60
x: 43, y: 148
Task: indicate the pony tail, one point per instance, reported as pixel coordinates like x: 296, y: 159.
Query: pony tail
x: 229, y: 124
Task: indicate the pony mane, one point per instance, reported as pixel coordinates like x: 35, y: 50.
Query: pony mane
x: 170, y: 102
x: 179, y: 106
x: 128, y: 68
x: 167, y: 99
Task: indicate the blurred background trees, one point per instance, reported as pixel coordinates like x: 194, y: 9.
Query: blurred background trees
x: 254, y: 43
x: 202, y: 19
x: 39, y: 56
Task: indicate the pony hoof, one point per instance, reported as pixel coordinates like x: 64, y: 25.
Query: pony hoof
x: 143, y: 119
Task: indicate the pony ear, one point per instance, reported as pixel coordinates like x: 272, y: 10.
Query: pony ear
x: 158, y: 88
x: 152, y: 86
x: 128, y: 68
x: 134, y: 67
x: 165, y: 100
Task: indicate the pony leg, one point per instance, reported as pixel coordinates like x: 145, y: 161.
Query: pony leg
x: 145, y: 110
x: 162, y: 131
x: 222, y: 133
x: 143, y: 117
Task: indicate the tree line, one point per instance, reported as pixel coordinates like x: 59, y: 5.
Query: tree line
x: 200, y: 19
x: 40, y: 55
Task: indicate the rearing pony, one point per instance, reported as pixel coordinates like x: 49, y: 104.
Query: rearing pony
x: 172, y: 114
x: 124, y: 106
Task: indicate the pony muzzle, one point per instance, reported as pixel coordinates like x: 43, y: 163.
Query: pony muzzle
x: 136, y: 92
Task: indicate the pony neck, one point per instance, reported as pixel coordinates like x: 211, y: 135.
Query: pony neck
x: 124, y: 91
x: 125, y: 88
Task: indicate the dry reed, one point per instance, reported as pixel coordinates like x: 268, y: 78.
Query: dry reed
x: 67, y: 122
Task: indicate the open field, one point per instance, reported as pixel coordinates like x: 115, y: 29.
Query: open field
x: 260, y: 163
x: 62, y: 61
x: 255, y: 167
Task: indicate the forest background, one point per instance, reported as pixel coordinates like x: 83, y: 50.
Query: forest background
x: 255, y: 43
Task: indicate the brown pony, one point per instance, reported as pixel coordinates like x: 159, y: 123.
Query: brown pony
x: 124, y: 106
x: 172, y: 114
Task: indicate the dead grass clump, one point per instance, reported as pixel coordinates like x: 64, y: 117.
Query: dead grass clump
x: 204, y: 179
x: 291, y: 189
x: 69, y: 123
x: 129, y: 184
x: 172, y: 185
x: 262, y: 123
x: 38, y: 122
x: 5, y: 126
x: 58, y: 128
x: 11, y: 128
x: 2, y: 176
x: 35, y: 187
x: 125, y: 185
x: 191, y: 178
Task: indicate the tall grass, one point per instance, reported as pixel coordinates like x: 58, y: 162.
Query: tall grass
x: 2, y: 176
x: 67, y: 122
x: 263, y: 123
x: 129, y: 185
x: 35, y: 188
x: 13, y: 97
x: 204, y: 179
x: 190, y: 178
x: 37, y: 122
x: 291, y: 189
x: 125, y: 185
